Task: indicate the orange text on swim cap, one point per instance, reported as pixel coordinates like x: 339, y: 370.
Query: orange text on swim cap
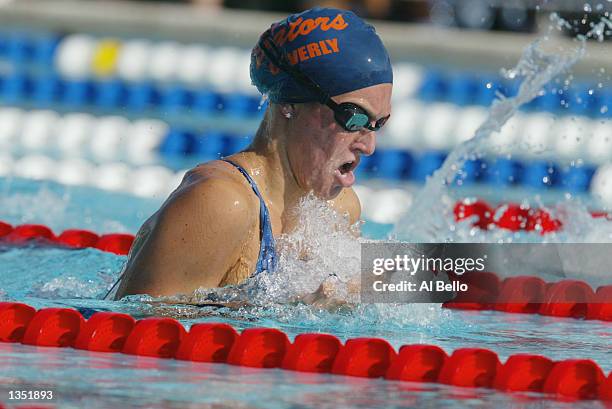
x: 313, y: 50
x: 305, y: 26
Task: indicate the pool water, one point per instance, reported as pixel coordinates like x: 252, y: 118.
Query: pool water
x: 47, y: 276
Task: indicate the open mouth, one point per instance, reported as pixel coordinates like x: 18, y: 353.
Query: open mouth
x: 347, y: 167
x: 344, y: 173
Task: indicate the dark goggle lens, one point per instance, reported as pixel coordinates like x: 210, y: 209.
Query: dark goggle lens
x: 353, y: 118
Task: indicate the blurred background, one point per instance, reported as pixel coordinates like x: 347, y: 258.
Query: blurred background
x: 123, y: 96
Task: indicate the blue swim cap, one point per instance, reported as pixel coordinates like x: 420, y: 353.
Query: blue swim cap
x: 335, y: 48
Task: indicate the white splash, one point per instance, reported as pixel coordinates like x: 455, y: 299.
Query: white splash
x: 430, y: 219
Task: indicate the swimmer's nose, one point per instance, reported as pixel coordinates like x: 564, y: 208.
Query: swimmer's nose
x: 366, y: 143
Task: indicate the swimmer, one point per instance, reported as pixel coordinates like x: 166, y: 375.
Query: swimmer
x: 328, y: 78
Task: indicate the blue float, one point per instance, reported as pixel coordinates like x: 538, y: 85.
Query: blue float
x: 77, y: 93
x: 110, y: 94
x: 209, y: 145
x: 178, y: 142
x: 235, y: 143
x: 46, y: 90
x: 44, y: 48
x: 394, y: 164
x: 14, y: 88
x: 540, y: 174
x: 427, y: 164
x: 176, y: 99
x: 142, y: 96
x: 503, y: 172
x: 577, y: 179
x: 205, y: 102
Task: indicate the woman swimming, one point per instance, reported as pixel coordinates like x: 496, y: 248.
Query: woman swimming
x: 328, y: 78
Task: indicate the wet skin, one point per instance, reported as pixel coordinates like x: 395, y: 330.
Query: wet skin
x: 206, y: 234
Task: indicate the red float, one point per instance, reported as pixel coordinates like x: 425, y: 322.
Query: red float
x: 115, y: 243
x: 470, y: 367
x: 483, y: 290
x: 207, y: 343
x: 78, y: 238
x: 14, y: 319
x: 605, y: 390
x: 417, y: 363
x: 521, y: 295
x: 5, y: 229
x: 479, y: 208
x: 523, y: 372
x: 601, y: 306
x: 514, y: 217
x: 54, y: 327
x: 575, y: 379
x: 26, y: 232
x: 568, y: 298
x: 105, y: 332
x: 364, y: 357
x: 158, y: 337
x: 312, y: 353
x: 259, y: 348
x: 542, y: 221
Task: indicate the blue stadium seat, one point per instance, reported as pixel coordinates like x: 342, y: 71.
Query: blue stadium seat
x: 577, y: 179
x: 46, y: 89
x: 503, y: 172
x: 77, y: 93
x: 141, y: 96
x: 14, y: 88
x: 540, y: 174
x: 210, y: 145
x: 393, y: 164
x: 110, y: 94
x: 427, y: 164
x: 178, y: 142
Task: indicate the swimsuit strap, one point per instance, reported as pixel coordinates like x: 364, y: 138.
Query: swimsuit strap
x: 267, y: 251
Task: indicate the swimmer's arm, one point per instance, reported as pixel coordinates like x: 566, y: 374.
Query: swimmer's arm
x: 196, y: 238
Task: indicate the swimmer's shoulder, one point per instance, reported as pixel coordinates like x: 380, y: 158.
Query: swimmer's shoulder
x: 213, y: 189
x: 347, y: 203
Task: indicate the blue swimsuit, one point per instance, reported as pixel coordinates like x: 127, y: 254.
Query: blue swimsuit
x: 267, y: 251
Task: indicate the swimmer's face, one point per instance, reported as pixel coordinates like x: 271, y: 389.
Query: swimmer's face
x: 322, y: 155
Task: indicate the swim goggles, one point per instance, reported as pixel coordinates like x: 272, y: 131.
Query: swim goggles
x: 351, y: 117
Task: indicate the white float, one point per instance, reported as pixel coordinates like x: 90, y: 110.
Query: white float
x: 38, y: 128
x: 74, y: 56
x: 133, y: 60
x: 192, y: 65
x: 164, y: 61
x: 108, y: 133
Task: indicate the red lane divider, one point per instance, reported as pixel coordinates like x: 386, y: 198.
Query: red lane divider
x: 532, y: 295
x: 259, y: 348
x: 511, y: 216
x: 573, y: 379
x: 117, y: 243
x: 568, y: 298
